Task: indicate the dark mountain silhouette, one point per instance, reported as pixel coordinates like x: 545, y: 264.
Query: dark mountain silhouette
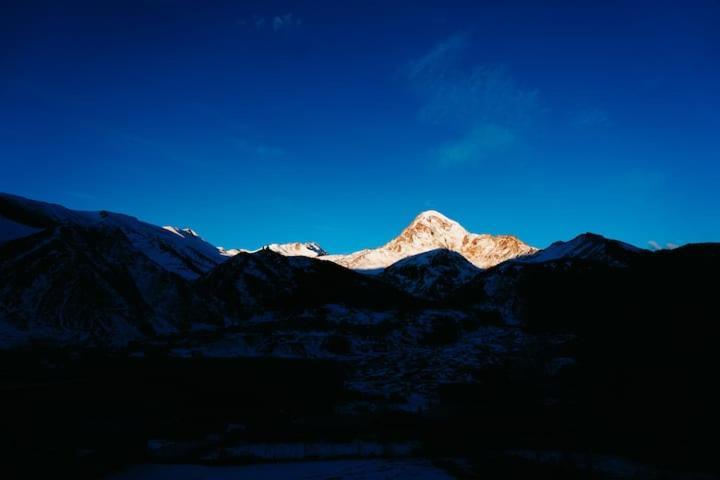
x: 587, y: 246
x: 592, y: 348
x: 70, y: 282
x: 267, y: 280
x: 432, y: 275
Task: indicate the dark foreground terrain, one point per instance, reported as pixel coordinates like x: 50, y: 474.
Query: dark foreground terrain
x: 124, y: 344
x: 647, y: 398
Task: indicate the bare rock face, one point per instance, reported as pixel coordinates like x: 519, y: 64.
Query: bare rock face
x: 432, y: 230
x: 487, y: 250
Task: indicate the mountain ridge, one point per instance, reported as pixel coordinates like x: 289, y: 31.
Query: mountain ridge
x: 115, y: 278
x: 180, y: 251
x: 431, y: 230
x: 185, y: 252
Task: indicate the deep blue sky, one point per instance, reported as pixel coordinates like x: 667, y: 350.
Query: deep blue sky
x: 258, y: 122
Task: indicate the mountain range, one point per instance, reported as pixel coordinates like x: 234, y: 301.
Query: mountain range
x: 430, y: 230
x: 122, y: 338
x: 102, y: 276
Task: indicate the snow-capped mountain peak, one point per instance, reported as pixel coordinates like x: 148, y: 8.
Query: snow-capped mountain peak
x: 231, y: 252
x: 293, y: 249
x: 307, y: 249
x: 431, y: 230
x: 182, y: 232
x: 430, y: 216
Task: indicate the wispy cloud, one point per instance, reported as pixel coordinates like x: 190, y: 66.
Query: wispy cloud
x: 274, y: 23
x: 259, y: 150
x: 286, y: 21
x: 483, y: 104
x: 480, y: 143
x: 439, y: 59
x: 590, y: 117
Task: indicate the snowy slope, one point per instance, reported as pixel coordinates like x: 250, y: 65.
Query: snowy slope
x: 181, y: 251
x: 293, y: 249
x: 73, y: 283
x: 308, y: 249
x: 432, y: 230
x: 587, y: 246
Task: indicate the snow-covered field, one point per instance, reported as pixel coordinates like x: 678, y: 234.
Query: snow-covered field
x: 338, y: 470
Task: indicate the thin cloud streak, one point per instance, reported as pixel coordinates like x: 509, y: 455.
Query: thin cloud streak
x: 259, y: 150
x: 483, y: 104
x: 274, y: 23
x: 480, y: 143
x: 590, y: 117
